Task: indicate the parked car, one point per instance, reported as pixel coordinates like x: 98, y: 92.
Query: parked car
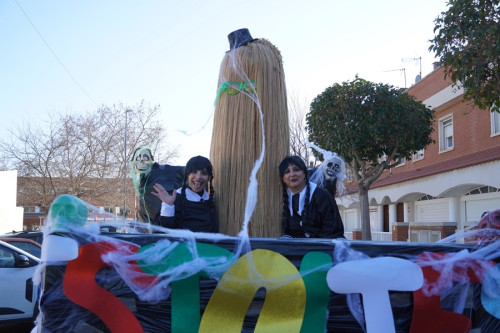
x: 19, y: 295
x: 25, y: 244
x: 37, y: 236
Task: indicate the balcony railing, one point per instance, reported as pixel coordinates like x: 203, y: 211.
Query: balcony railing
x: 376, y: 236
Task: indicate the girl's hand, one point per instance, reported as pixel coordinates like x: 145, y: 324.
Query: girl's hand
x: 163, y: 195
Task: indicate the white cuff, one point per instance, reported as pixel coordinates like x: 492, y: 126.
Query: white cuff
x: 167, y: 210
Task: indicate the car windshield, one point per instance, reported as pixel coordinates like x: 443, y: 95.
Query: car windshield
x: 28, y: 247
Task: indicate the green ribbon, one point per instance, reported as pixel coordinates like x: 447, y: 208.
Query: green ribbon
x: 233, y: 88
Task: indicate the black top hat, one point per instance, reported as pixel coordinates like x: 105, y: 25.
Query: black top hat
x: 239, y: 38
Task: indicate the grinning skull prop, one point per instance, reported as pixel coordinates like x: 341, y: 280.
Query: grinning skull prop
x: 332, y: 168
x: 142, y: 160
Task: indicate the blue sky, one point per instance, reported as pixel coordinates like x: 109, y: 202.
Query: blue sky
x: 169, y: 52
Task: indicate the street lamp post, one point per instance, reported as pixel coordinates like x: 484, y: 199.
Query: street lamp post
x: 125, y: 168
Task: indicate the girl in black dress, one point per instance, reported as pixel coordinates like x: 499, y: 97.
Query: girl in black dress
x: 191, y: 206
x: 308, y: 210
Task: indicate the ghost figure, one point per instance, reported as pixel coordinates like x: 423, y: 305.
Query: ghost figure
x: 145, y: 173
x: 331, y: 173
x: 334, y: 168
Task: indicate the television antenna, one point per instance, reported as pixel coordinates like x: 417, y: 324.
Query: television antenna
x: 419, y: 59
x: 399, y: 70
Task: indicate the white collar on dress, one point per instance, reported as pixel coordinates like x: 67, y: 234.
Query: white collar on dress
x: 302, y: 196
x: 193, y: 196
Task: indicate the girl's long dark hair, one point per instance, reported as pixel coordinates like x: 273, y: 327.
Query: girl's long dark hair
x: 194, y: 164
x: 297, y: 161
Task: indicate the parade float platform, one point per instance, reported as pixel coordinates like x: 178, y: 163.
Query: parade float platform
x: 175, y: 282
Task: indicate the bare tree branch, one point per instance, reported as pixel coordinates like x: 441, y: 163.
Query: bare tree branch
x: 82, y: 155
x: 298, y: 108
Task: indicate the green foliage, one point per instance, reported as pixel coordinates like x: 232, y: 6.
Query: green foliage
x: 467, y: 41
x: 362, y: 121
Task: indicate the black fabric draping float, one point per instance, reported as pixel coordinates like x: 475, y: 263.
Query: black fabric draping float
x: 57, y: 309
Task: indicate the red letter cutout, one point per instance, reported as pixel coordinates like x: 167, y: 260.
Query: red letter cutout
x: 81, y: 288
x: 428, y: 316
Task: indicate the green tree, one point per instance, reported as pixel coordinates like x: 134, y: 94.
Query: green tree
x: 373, y: 126
x: 467, y: 42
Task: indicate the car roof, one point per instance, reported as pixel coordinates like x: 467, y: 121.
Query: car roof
x: 16, y: 239
x: 12, y: 247
x: 37, y: 236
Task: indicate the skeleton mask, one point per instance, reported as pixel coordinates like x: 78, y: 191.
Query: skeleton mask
x: 334, y: 167
x: 142, y: 160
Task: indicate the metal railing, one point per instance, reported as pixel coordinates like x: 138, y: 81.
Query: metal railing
x: 376, y: 236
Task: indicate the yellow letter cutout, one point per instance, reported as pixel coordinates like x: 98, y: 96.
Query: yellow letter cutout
x: 285, y: 301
